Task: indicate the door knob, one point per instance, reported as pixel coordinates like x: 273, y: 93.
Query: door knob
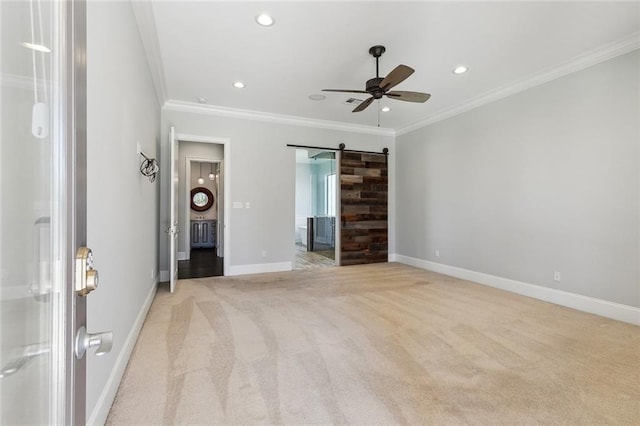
x: 103, y: 341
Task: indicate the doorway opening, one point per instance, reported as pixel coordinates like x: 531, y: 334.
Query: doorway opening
x: 316, y: 205
x: 201, y: 210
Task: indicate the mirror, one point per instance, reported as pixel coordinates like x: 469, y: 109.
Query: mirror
x: 201, y: 199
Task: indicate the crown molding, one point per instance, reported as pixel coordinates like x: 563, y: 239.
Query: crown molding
x: 143, y: 12
x: 593, y: 57
x: 182, y: 106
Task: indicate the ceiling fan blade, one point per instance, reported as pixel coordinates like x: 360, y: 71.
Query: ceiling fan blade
x: 344, y: 91
x: 409, y: 96
x: 395, y: 77
x: 363, y: 105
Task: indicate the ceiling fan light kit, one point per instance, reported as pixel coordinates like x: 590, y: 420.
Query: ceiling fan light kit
x: 378, y: 87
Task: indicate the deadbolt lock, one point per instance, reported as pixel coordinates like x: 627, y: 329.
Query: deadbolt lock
x: 86, y: 276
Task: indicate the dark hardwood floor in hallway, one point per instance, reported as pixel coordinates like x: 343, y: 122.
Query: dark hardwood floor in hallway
x: 203, y: 263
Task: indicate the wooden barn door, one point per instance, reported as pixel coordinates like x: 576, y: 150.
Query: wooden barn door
x: 364, y: 186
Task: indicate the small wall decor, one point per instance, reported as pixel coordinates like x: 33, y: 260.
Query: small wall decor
x: 201, y: 199
x: 149, y: 167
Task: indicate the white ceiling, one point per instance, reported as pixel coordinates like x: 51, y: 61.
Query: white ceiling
x: 205, y: 46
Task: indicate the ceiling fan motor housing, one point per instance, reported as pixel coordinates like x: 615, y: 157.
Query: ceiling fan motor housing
x: 373, y: 87
x: 377, y: 51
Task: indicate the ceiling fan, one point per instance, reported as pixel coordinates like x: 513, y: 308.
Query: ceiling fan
x: 378, y: 87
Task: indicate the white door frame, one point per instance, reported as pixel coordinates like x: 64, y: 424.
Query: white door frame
x: 226, y: 142
x: 187, y: 206
x: 173, y: 229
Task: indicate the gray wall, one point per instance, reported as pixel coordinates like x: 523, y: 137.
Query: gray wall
x: 122, y: 204
x: 546, y: 180
x: 262, y: 173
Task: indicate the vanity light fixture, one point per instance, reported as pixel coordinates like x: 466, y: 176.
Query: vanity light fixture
x: 239, y: 85
x: 212, y: 175
x: 460, y: 69
x: 265, y: 20
x: 200, y: 179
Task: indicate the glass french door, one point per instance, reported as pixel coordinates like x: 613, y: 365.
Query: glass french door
x: 38, y: 202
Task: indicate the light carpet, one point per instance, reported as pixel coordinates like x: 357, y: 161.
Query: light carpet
x: 374, y: 344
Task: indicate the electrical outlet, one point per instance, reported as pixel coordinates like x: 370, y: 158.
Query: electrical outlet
x: 557, y: 277
x: 437, y: 253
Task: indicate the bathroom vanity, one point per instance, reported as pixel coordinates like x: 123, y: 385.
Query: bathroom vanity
x: 203, y: 233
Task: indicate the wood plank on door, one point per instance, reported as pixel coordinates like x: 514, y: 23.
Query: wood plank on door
x: 364, y: 214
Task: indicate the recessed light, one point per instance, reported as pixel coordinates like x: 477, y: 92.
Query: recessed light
x: 38, y: 47
x: 202, y: 100
x: 385, y: 109
x: 317, y: 97
x: 239, y: 85
x: 460, y: 69
x: 265, y: 20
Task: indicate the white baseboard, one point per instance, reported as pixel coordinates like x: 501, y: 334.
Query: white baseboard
x: 592, y: 305
x: 182, y: 255
x: 260, y: 268
x: 101, y: 410
x: 164, y: 276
